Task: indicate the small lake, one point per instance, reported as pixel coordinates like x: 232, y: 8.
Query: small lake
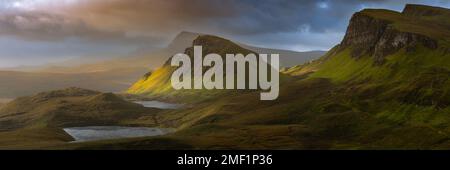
x: 93, y: 133
x: 159, y: 105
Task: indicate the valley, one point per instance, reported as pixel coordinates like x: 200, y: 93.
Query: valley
x: 385, y: 86
x: 388, y: 91
x: 41, y: 118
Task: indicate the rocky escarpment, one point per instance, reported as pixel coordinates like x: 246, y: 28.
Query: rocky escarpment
x: 368, y: 34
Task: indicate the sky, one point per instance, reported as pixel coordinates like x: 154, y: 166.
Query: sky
x: 34, y: 32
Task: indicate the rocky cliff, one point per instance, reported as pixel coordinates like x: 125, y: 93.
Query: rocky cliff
x: 377, y: 33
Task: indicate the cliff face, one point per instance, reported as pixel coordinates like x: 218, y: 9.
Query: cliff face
x: 374, y: 34
x: 363, y: 34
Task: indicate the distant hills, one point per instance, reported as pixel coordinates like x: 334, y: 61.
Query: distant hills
x: 114, y: 75
x: 288, y: 58
x: 157, y: 82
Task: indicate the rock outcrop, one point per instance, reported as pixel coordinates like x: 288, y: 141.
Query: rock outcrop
x: 379, y: 37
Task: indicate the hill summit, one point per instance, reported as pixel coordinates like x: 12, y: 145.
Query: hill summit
x: 68, y: 107
x: 158, y: 83
x: 402, y: 55
x: 379, y: 33
x: 417, y: 10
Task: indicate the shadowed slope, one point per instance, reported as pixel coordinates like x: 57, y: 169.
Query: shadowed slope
x: 385, y: 86
x: 40, y: 118
x: 158, y: 83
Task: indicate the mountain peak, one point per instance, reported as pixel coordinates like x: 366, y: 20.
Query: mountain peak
x: 215, y: 44
x: 378, y: 33
x: 182, y: 40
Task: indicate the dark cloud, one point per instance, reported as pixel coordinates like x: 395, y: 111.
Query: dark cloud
x: 40, y: 26
x: 106, y: 25
x: 234, y: 16
x: 231, y: 16
x: 117, y: 19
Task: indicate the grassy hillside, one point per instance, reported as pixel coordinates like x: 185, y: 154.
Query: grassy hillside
x: 386, y: 86
x: 383, y: 87
x: 37, y: 120
x: 158, y: 82
x: 310, y: 114
x: 434, y: 26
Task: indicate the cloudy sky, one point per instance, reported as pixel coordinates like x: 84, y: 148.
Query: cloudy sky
x: 35, y: 32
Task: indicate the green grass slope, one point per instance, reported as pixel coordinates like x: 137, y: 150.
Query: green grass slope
x: 37, y: 121
x: 383, y: 87
x: 393, y: 95
x: 158, y: 82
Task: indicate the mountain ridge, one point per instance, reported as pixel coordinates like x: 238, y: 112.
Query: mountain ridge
x: 374, y: 32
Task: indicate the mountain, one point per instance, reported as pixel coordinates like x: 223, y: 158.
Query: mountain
x: 385, y: 86
x: 395, y: 68
x: 158, y: 82
x: 112, y: 75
